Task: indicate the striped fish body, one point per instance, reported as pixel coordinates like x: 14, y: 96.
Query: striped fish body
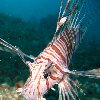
x: 48, y: 68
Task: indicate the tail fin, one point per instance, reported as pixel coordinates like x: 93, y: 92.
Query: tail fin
x: 5, y: 46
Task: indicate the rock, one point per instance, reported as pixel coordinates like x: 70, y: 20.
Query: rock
x: 5, y: 86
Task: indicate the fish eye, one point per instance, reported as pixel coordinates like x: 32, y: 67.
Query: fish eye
x: 46, y: 74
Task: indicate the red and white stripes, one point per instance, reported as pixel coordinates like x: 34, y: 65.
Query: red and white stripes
x: 54, y: 60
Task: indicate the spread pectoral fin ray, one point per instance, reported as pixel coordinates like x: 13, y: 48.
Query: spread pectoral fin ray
x: 5, y: 46
x: 94, y: 73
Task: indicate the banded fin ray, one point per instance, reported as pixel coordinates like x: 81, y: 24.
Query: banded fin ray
x: 5, y: 46
x: 94, y: 73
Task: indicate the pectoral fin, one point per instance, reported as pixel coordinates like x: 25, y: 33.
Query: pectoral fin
x: 94, y: 73
x: 5, y: 46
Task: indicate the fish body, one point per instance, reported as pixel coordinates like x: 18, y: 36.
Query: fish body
x: 48, y: 68
x: 52, y: 59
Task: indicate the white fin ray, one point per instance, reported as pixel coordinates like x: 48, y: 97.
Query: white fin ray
x: 63, y: 93
x: 68, y: 93
x: 76, y: 86
x: 5, y: 46
x: 73, y: 90
x: 70, y: 90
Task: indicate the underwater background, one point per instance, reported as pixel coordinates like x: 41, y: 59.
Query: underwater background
x: 30, y: 25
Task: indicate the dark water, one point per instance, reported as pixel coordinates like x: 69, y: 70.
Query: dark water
x: 30, y: 25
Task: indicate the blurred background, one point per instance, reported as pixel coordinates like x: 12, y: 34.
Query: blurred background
x: 30, y: 25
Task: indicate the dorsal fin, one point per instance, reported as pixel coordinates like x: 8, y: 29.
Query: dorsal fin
x: 70, y: 24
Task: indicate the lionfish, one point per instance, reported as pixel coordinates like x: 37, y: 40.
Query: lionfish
x: 50, y: 67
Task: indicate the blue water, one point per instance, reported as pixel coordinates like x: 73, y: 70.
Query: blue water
x: 29, y: 9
